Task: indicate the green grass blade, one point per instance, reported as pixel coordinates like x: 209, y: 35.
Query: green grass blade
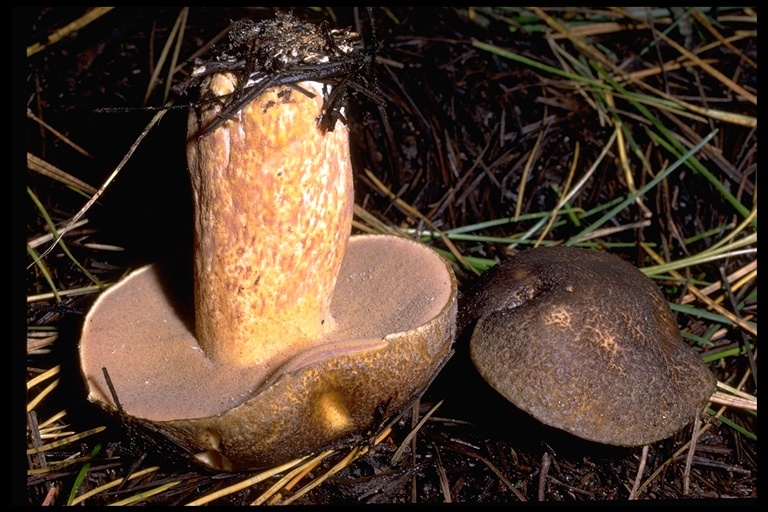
x: 641, y: 191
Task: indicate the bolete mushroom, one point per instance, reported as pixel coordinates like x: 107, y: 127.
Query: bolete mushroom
x: 585, y: 342
x: 295, y: 337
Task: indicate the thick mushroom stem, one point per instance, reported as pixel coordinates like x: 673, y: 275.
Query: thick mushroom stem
x: 273, y: 201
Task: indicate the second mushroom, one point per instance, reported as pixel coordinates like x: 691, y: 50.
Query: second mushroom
x: 294, y: 337
x: 585, y: 342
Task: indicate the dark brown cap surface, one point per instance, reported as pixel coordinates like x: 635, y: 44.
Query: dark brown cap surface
x: 584, y: 342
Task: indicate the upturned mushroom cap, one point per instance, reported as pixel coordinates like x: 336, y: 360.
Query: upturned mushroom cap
x: 282, y: 336
x: 395, y: 308
x: 585, y: 342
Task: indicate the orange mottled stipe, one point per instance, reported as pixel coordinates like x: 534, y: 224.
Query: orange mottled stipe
x: 273, y: 196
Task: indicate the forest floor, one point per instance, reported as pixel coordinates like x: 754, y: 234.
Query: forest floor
x: 499, y: 129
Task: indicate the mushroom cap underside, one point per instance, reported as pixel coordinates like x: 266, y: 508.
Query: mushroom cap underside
x: 585, y: 342
x: 395, y: 308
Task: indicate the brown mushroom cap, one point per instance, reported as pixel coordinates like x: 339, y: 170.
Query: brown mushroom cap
x: 395, y: 309
x: 585, y: 342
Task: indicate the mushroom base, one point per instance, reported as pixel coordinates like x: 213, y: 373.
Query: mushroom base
x: 395, y: 307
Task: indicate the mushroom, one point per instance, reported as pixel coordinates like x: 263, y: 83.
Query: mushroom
x: 295, y: 337
x: 584, y: 342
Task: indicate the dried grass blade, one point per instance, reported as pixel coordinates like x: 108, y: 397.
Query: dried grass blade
x: 40, y: 240
x: 109, y: 179
x: 589, y: 50
x: 69, y: 29
x: 144, y: 495
x: 58, y: 134
x: 738, y: 279
x: 354, y: 454
x: 163, y: 56
x: 183, y: 15
x: 526, y: 171
x: 401, y: 449
x: 565, y: 196
x: 247, y: 482
x: 65, y: 441
x: 702, y: 297
x: 712, y: 30
x: 418, y: 215
x: 291, y: 478
x: 710, y: 69
x: 39, y: 165
x: 110, y: 485
x: 43, y: 377
x: 67, y: 293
